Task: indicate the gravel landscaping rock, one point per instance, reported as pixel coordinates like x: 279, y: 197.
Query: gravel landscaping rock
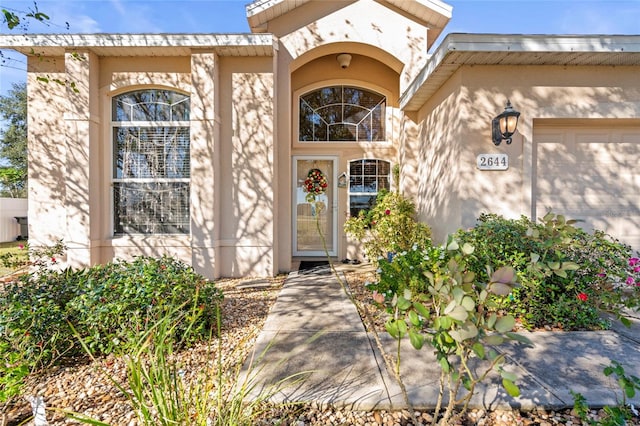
x: 88, y: 387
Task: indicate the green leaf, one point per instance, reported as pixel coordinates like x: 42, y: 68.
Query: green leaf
x: 414, y: 318
x: 421, y: 309
x: 629, y: 390
x: 499, y: 289
x: 535, y: 257
x: 458, y: 294
x: 508, y: 375
x: 494, y: 339
x: 478, y: 348
x: 467, y: 331
x: 392, y: 328
x: 467, y: 248
x: 625, y: 321
x: 560, y: 273
x: 570, y: 266
x: 491, y: 321
x: 444, y: 323
x: 466, y: 382
x: 468, y: 277
x: 505, y: 324
x: 403, y: 304
x: 453, y: 245
x: 519, y: 338
x: 468, y: 303
x: 11, y: 19
x: 407, y: 294
x: 506, y: 275
x: 416, y: 339
x: 402, y: 328
x: 459, y: 314
x: 554, y: 265
x: 511, y: 388
x: 444, y: 364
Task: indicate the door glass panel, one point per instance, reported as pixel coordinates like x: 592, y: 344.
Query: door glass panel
x: 309, y: 239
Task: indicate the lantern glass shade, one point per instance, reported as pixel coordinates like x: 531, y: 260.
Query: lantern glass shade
x: 505, y: 125
x: 508, y: 125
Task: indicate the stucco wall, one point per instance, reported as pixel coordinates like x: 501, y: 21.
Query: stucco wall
x: 356, y: 25
x: 47, y: 150
x: 455, y: 126
x: 232, y: 174
x: 246, y: 161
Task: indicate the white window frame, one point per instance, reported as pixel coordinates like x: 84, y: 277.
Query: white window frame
x: 387, y: 119
x: 351, y: 193
x: 113, y: 153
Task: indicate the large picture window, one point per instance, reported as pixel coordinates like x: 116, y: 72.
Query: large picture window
x: 151, y: 164
x: 367, y: 177
x: 342, y: 113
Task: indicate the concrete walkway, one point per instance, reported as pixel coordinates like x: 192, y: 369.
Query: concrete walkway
x: 314, y: 340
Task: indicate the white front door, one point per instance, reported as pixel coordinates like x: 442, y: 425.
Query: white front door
x: 314, y: 223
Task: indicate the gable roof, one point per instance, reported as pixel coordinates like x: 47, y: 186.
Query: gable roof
x: 434, y: 14
x: 457, y: 50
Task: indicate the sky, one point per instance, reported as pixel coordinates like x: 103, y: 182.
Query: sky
x: 229, y: 16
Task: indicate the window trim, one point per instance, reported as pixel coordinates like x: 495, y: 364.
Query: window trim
x: 111, y: 159
x: 362, y: 159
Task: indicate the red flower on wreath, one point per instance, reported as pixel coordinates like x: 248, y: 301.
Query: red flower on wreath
x: 316, y: 183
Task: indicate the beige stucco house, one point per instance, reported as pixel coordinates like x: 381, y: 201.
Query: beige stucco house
x: 199, y: 145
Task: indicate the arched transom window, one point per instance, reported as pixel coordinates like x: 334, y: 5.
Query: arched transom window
x: 151, y: 164
x: 342, y: 113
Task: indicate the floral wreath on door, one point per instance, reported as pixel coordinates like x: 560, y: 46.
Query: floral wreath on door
x: 315, y: 184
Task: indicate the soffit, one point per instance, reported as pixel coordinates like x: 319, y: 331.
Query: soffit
x: 457, y: 50
x: 260, y: 12
x: 140, y: 44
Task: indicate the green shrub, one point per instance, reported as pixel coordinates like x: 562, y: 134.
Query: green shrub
x: 568, y: 276
x: 435, y: 300
x: 389, y: 227
x: 107, y: 305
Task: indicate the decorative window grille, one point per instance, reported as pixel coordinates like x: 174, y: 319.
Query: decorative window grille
x: 151, y: 167
x: 367, y: 177
x: 342, y: 113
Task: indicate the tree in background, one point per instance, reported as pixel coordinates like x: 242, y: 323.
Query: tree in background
x: 15, y: 19
x: 13, y: 111
x: 13, y: 142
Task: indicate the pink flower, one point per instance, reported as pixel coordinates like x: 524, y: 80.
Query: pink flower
x: 377, y: 297
x: 601, y: 275
x: 20, y: 246
x: 583, y: 297
x: 634, y: 261
x: 53, y: 260
x: 387, y: 212
x: 630, y: 281
x: 636, y: 269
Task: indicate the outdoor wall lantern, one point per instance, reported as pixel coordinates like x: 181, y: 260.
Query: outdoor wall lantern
x: 342, y: 180
x: 505, y: 125
x: 344, y: 59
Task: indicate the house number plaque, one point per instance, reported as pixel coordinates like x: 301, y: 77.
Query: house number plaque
x: 492, y: 161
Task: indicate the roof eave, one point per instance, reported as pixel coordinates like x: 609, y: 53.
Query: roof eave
x: 140, y: 44
x: 457, y: 50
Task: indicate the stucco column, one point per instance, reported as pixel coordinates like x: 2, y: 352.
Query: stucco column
x: 205, y: 140
x: 81, y: 177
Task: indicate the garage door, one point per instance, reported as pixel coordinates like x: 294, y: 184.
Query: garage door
x: 590, y: 172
